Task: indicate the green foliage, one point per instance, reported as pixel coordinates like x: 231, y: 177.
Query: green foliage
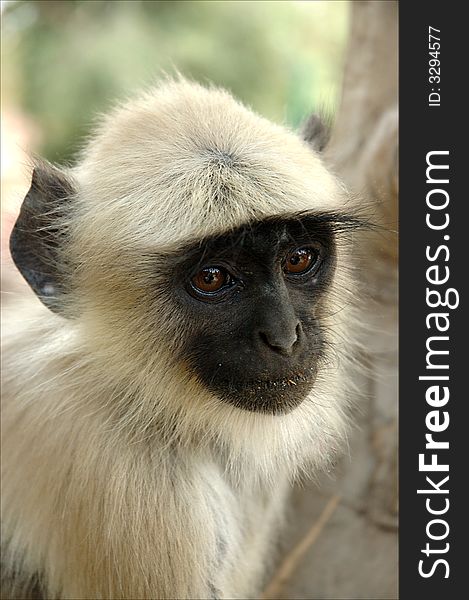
x: 68, y: 60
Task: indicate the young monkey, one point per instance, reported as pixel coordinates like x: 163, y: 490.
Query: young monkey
x: 196, y: 268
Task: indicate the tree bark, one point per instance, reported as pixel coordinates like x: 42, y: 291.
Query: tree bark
x: 364, y: 144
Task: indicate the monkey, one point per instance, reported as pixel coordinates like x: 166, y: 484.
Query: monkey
x: 186, y: 356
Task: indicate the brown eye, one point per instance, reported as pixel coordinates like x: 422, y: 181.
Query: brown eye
x: 301, y: 261
x: 210, y: 279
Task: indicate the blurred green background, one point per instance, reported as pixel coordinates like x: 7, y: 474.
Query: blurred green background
x: 66, y: 61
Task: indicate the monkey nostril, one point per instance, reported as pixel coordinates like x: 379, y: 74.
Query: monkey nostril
x: 298, y: 332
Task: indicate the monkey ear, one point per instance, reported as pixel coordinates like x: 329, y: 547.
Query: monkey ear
x: 39, y: 232
x: 316, y: 131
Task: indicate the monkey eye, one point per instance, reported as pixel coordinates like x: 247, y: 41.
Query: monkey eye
x: 210, y: 280
x: 301, y: 261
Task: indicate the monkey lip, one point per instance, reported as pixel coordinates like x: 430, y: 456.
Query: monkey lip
x: 284, y: 383
x: 273, y: 395
x: 296, y: 379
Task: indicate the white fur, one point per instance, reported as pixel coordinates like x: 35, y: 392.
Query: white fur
x: 123, y: 476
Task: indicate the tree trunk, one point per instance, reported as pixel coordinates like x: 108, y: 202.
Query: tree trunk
x: 364, y: 143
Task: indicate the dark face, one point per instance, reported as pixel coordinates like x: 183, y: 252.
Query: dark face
x: 253, y: 299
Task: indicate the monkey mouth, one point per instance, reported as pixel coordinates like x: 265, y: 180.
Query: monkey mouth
x: 272, y: 395
x: 282, y: 384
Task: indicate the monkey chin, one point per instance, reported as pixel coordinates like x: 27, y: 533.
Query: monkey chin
x: 271, y: 396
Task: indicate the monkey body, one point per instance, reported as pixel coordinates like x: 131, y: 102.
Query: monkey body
x: 197, y: 264
x: 118, y: 518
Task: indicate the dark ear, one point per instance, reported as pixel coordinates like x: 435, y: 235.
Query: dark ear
x: 39, y: 233
x: 316, y: 131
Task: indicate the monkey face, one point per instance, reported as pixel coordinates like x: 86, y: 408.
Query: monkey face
x: 253, y: 299
x: 196, y: 252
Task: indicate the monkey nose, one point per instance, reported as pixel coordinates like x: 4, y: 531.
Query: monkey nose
x: 281, y: 340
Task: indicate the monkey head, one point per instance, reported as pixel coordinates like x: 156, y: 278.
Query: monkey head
x: 203, y: 257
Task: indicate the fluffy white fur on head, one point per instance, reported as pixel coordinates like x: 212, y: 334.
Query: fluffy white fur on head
x: 197, y: 161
